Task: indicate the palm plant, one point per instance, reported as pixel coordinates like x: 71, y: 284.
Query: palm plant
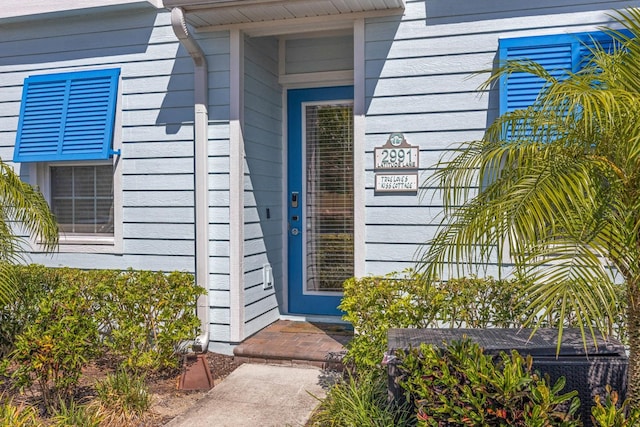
x: 553, y: 191
x: 23, y: 209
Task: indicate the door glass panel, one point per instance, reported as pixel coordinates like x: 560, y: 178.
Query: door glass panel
x: 329, y: 196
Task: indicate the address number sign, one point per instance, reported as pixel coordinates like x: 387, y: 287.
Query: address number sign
x: 396, y: 154
x: 397, y: 158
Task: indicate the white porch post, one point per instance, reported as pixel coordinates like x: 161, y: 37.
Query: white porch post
x: 236, y: 187
x: 359, y: 247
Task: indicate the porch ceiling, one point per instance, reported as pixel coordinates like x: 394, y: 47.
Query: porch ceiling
x: 210, y: 14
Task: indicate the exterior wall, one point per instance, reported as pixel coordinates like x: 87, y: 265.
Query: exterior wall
x: 26, y: 9
x: 157, y: 150
x: 263, y: 181
x: 307, y: 55
x: 156, y: 133
x: 422, y: 71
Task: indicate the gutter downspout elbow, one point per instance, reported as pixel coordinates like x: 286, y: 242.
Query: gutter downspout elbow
x: 200, y: 171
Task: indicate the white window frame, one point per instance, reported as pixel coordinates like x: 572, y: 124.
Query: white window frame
x: 87, y: 243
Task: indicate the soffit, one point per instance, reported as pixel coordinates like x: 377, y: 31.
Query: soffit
x: 207, y: 15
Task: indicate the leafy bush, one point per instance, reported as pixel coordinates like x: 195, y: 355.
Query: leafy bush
x: 32, y: 284
x: 142, y: 316
x: 68, y: 317
x: 361, y: 401
x: 460, y: 385
x: 611, y: 414
x: 52, y: 350
x: 375, y: 304
x: 145, y: 315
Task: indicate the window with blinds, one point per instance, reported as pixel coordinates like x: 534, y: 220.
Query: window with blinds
x: 329, y: 196
x: 82, y: 198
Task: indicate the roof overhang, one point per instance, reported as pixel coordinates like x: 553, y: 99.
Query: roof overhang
x: 280, y: 16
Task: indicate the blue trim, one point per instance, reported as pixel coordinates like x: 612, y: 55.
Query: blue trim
x: 557, y: 53
x: 298, y: 302
x: 67, y: 116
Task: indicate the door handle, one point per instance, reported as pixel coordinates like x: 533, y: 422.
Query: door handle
x: 294, y: 199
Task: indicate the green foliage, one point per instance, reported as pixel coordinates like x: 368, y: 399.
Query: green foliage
x: 74, y: 415
x: 145, y: 315
x: 17, y: 416
x: 123, y: 400
x: 22, y: 204
x: 142, y: 316
x: 551, y: 191
x: 613, y: 414
x: 375, y: 304
x: 460, y: 385
x: 124, y: 392
x: 52, y: 350
x: 32, y: 284
x: 361, y: 402
x: 69, y: 317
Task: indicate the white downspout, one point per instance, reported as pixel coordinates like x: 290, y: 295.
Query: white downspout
x: 200, y: 170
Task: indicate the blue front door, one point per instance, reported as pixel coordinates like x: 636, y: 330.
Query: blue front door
x: 320, y: 197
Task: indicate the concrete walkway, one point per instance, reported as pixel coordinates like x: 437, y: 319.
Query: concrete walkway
x: 259, y: 395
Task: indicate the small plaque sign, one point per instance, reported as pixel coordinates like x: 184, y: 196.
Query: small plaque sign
x: 396, y: 153
x: 397, y: 182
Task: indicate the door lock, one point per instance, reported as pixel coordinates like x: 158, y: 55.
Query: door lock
x: 295, y: 231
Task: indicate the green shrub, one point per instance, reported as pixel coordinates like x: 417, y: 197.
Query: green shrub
x: 473, y: 302
x: 145, y: 315
x: 142, y: 316
x: 123, y: 399
x: 611, y: 414
x: 361, y: 402
x: 460, y: 385
x: 375, y: 304
x: 69, y: 316
x: 32, y: 284
x: 52, y: 350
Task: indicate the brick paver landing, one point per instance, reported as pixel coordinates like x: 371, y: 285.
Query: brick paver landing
x: 293, y: 343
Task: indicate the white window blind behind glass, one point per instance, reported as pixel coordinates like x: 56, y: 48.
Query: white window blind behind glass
x: 82, y: 198
x: 329, y: 196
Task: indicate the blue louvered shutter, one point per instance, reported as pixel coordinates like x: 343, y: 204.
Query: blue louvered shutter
x: 67, y: 116
x: 557, y: 54
x: 589, y: 40
x: 520, y: 90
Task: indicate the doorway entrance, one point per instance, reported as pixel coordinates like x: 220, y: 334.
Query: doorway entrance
x: 320, y: 197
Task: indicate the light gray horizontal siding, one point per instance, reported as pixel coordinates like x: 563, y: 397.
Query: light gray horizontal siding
x: 155, y: 231
x: 142, y: 44
x: 154, y: 182
x: 262, y: 181
x: 156, y: 131
x: 422, y: 73
x: 308, y: 55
